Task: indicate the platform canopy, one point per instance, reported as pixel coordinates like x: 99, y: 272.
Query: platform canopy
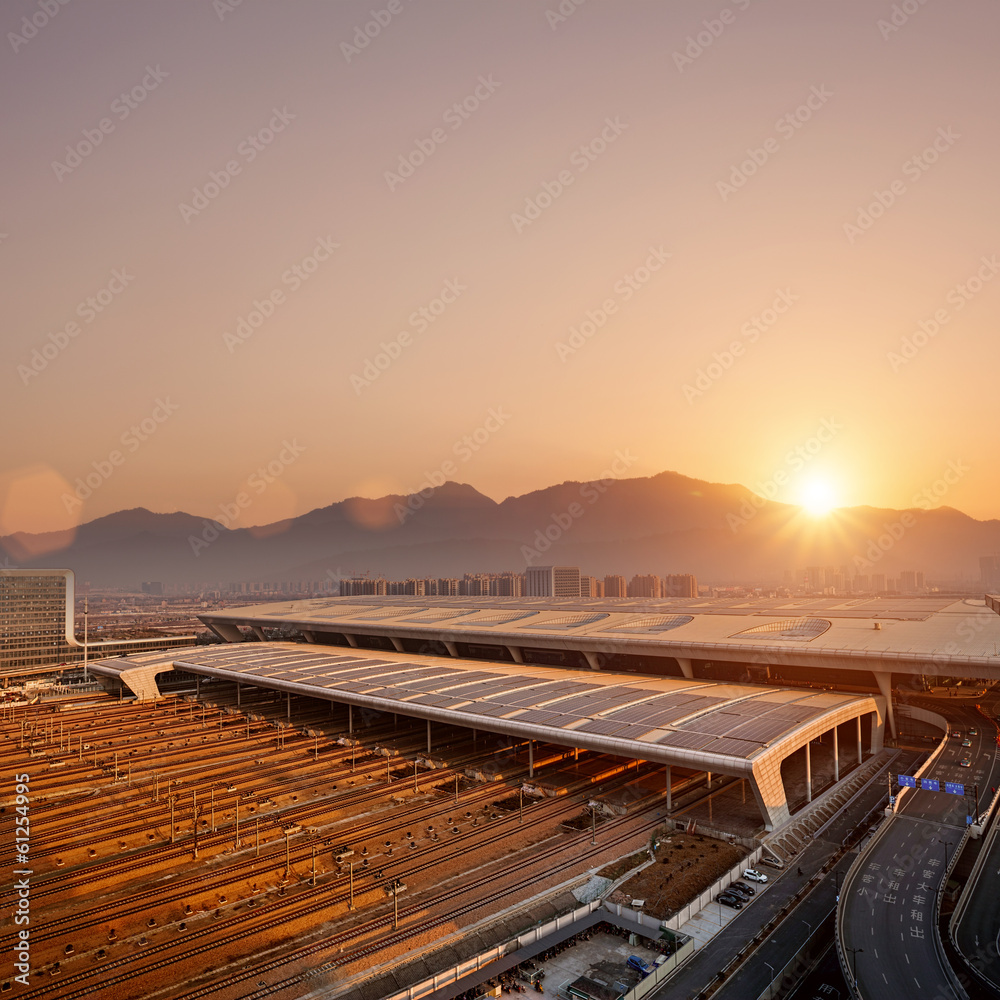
x: 734, y: 729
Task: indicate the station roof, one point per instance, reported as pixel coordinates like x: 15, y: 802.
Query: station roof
x: 718, y: 726
x: 929, y: 634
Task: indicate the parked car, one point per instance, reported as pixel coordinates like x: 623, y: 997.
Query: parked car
x: 772, y: 862
x: 754, y: 875
x: 747, y: 890
x: 731, y: 901
x: 635, y: 962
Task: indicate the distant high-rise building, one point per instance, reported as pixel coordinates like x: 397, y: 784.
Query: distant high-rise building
x: 362, y: 586
x: 921, y: 586
x: 645, y: 585
x: 591, y: 587
x: 814, y: 578
x: 506, y: 584
x: 680, y: 585
x: 615, y: 586
x: 552, y: 581
x: 448, y: 587
x: 908, y: 581
x: 989, y: 569
x: 878, y: 583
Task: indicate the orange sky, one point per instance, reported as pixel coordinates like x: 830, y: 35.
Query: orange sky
x: 254, y: 253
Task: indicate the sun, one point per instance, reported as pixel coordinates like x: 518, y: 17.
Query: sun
x: 818, y: 496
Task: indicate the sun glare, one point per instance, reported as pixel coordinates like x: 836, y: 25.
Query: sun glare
x: 818, y: 497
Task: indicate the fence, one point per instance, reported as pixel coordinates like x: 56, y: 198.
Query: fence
x: 476, y: 962
x: 683, y: 915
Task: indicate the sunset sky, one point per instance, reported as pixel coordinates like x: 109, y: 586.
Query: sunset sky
x: 337, y: 252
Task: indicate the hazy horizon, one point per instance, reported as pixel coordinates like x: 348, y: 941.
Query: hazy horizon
x: 754, y: 243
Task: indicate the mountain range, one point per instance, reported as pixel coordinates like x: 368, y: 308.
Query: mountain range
x: 667, y: 523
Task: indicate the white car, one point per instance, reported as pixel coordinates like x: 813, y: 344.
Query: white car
x: 754, y: 875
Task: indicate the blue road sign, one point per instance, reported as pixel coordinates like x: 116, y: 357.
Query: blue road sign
x: 954, y: 788
x: 930, y: 784
x: 906, y: 781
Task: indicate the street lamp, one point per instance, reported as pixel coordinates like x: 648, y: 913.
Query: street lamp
x: 946, y: 844
x: 854, y: 963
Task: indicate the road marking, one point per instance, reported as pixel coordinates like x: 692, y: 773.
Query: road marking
x: 917, y: 981
x: 907, y: 958
x: 876, y: 952
x: 886, y: 980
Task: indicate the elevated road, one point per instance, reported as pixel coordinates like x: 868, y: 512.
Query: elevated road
x: 888, y: 905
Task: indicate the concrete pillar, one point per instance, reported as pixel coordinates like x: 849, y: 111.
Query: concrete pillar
x: 397, y: 644
x: 309, y: 635
x: 238, y: 693
x: 352, y: 640
x: 885, y: 689
x: 860, y: 752
x: 531, y: 758
x: 593, y: 660
x: 428, y: 735
x: 515, y: 654
x: 670, y: 800
x: 836, y: 757
x: 350, y: 719
x: 288, y: 704
x: 809, y: 776
x: 259, y: 632
x: 686, y: 669
x: 451, y: 647
x: 197, y: 687
x: 708, y: 780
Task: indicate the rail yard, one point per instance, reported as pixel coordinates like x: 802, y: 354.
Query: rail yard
x: 227, y: 845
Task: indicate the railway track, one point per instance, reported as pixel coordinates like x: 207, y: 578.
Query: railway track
x: 232, y: 932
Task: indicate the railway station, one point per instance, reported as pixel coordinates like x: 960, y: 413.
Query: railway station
x: 703, y: 727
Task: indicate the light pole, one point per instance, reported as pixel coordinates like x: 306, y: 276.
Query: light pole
x: 86, y: 609
x: 854, y: 963
x: 946, y: 844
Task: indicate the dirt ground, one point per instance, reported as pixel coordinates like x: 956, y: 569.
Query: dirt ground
x: 685, y: 866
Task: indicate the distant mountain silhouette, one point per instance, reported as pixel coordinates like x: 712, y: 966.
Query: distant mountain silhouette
x: 666, y: 523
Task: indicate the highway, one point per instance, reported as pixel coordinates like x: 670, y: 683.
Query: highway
x: 888, y: 905
x: 978, y: 930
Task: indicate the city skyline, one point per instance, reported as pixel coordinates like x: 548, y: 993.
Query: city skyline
x: 323, y: 251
